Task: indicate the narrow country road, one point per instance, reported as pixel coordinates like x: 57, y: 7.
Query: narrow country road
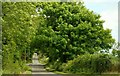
x: 38, y: 69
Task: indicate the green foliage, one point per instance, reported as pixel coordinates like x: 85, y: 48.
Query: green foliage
x: 68, y: 30
x: 116, y: 50
x: 43, y: 59
x: 115, y: 64
x: 56, y: 66
x: 60, y: 31
x: 88, y: 63
x: 18, y: 27
x: 116, y: 54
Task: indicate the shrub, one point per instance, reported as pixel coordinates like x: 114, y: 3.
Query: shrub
x: 54, y: 66
x: 88, y: 63
x: 15, y: 68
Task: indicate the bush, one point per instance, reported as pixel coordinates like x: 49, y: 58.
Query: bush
x: 88, y: 63
x: 115, y: 64
x: 55, y: 66
x: 15, y: 68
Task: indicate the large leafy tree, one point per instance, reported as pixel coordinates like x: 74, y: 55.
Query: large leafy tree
x: 18, y: 28
x: 68, y: 30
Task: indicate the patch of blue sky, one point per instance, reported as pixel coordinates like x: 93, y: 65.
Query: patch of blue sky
x: 108, y: 9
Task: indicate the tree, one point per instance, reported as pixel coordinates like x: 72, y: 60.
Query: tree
x: 68, y: 30
x: 19, y: 28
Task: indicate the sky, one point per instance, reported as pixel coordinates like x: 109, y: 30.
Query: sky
x: 108, y: 9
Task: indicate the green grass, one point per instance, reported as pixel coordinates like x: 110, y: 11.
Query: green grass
x: 27, y: 72
x: 111, y: 73
x: 57, y: 72
x: 1, y: 72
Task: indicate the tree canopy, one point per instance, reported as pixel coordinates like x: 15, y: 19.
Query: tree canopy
x: 18, y: 29
x: 68, y: 30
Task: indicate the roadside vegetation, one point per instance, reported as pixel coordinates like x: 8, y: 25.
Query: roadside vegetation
x: 68, y: 37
